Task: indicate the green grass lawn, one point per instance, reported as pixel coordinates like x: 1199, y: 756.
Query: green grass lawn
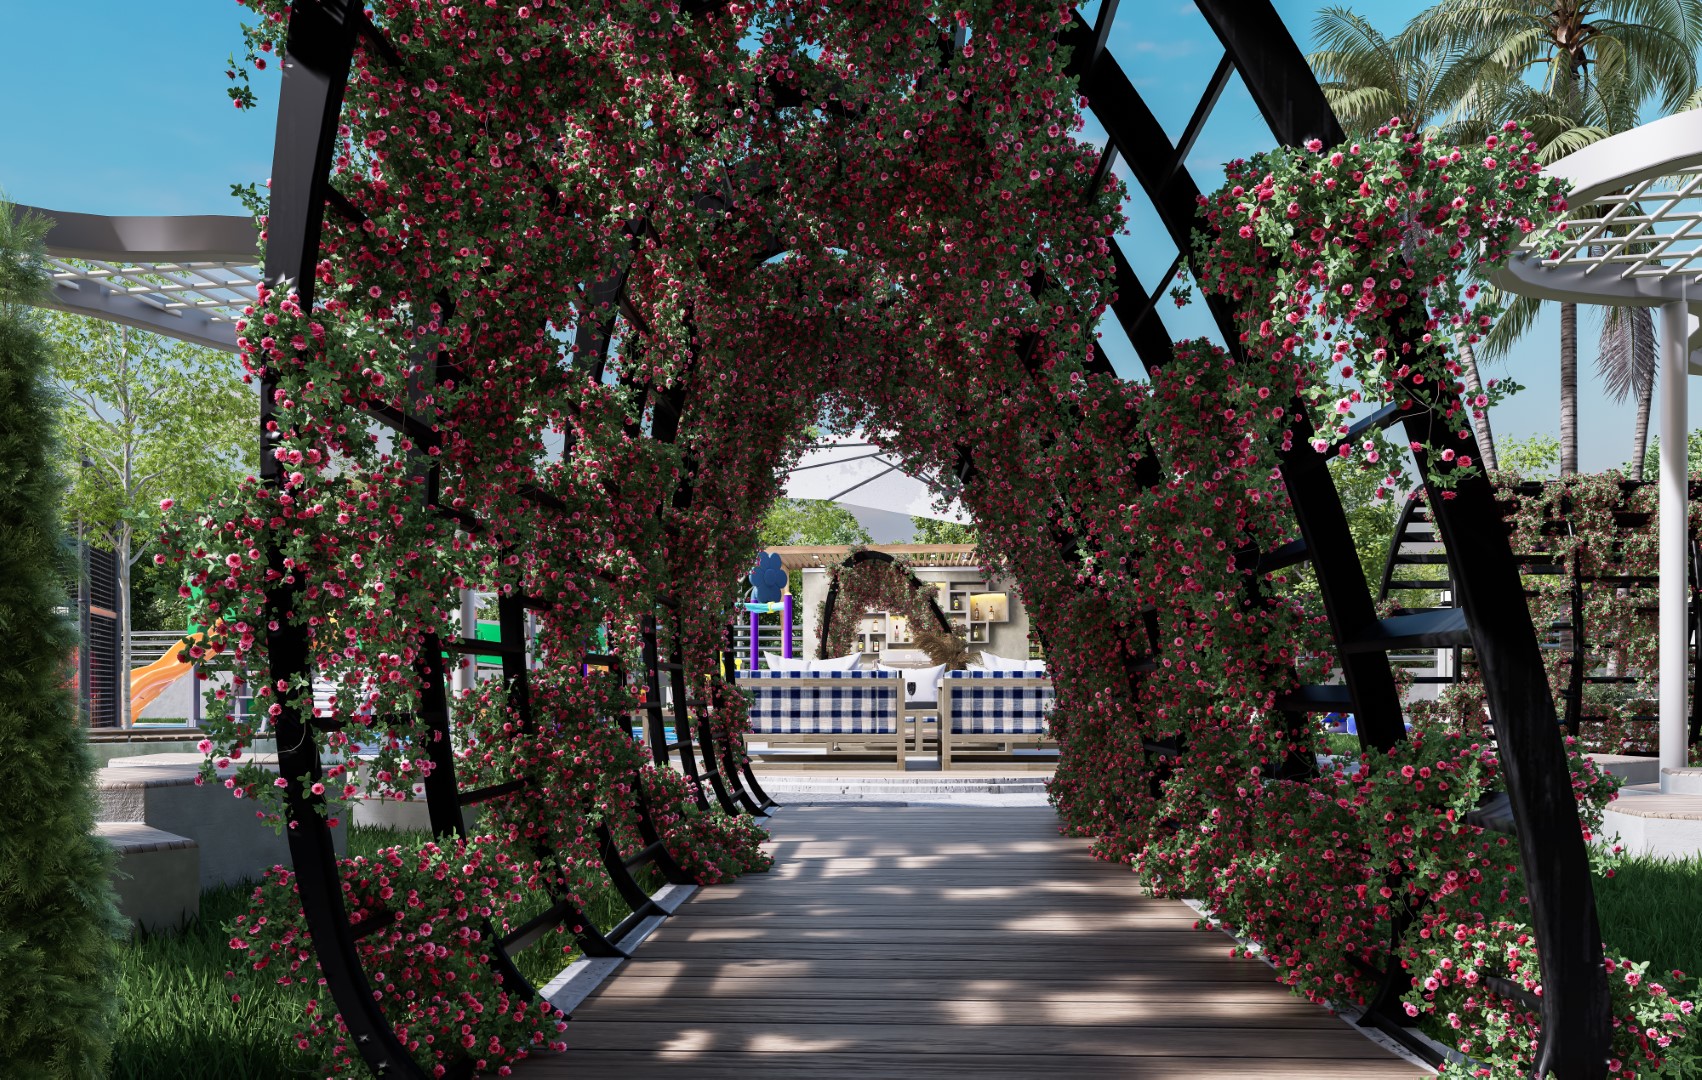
x: 177, y: 1019
x: 1649, y: 911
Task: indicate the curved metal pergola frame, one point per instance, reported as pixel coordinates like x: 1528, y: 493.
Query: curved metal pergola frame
x: 323, y: 37
x: 185, y: 277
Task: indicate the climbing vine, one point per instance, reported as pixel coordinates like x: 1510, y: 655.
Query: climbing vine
x: 865, y: 585
x: 877, y: 216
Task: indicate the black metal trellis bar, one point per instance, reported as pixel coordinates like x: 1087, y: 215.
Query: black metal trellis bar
x: 660, y: 746
x: 738, y: 759
x: 318, y: 53
x: 1576, y: 1031
x: 1159, y: 168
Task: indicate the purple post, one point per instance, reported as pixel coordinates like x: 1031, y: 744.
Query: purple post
x: 756, y: 654
x: 786, y: 626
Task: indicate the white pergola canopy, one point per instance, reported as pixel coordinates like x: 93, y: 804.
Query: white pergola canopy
x: 184, y: 277
x: 1634, y: 239
x: 856, y: 473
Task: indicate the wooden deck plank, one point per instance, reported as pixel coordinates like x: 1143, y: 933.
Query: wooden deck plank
x: 1142, y: 1010
x: 1207, y: 992
x: 1029, y: 919
x: 968, y: 952
x: 1154, y: 975
x: 911, y: 942
x: 761, y: 1036
x: 642, y: 1065
x: 1174, y: 936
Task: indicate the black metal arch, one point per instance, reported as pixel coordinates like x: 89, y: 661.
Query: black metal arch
x: 864, y: 555
x: 322, y: 40
x: 1492, y: 616
x: 323, y: 37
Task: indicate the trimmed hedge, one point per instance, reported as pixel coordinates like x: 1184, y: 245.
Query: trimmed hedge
x: 58, y: 923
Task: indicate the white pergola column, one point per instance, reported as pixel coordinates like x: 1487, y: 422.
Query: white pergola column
x: 466, y: 663
x: 1675, y: 538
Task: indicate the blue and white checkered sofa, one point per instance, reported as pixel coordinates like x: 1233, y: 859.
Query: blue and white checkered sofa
x: 992, y: 707
x: 857, y: 707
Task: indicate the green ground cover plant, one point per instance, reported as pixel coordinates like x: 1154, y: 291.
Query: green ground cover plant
x: 192, y: 1011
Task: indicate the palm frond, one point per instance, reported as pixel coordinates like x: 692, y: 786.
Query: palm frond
x: 1652, y: 59
x: 1626, y: 358
x: 1515, y: 322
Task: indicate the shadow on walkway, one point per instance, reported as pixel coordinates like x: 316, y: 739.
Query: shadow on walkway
x: 945, y: 942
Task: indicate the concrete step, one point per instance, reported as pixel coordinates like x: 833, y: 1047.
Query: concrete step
x: 1681, y: 781
x: 157, y: 876
x: 922, y: 784
x: 190, y: 761
x: 235, y: 845
x: 1630, y: 770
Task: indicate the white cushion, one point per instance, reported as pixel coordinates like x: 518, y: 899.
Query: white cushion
x: 928, y: 683
x: 848, y: 662
x: 776, y: 662
x: 994, y: 662
x: 921, y: 684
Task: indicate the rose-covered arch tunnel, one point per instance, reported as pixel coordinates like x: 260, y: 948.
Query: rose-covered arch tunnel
x: 599, y: 268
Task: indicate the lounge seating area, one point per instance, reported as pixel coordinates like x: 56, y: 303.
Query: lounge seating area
x: 978, y: 713
x: 833, y: 709
x: 985, y: 712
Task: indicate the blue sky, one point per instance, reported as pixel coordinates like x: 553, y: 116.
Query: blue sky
x: 134, y: 120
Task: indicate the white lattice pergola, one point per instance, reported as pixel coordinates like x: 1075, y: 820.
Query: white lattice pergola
x: 1634, y: 239
x: 184, y: 277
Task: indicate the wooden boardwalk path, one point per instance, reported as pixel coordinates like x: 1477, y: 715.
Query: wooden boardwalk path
x: 902, y: 942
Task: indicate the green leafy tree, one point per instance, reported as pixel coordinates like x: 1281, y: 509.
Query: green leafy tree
x: 154, y: 419
x: 58, y: 924
x: 1370, y: 518
x: 935, y: 531
x: 1583, y: 72
x: 1652, y: 456
x: 1533, y: 458
x: 1371, y: 507
x: 810, y: 521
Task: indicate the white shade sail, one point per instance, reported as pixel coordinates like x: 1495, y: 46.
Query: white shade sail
x: 853, y: 472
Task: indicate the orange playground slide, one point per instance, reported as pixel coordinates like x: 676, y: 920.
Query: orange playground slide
x: 148, y: 683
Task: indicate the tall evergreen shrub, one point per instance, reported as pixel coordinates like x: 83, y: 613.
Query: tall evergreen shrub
x: 58, y: 924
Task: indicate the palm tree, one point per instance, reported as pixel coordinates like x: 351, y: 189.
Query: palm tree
x: 1598, y: 61
x: 1369, y: 78
x: 1625, y: 356
x: 1628, y: 336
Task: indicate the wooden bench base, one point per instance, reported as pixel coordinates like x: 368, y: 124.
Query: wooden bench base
x: 960, y: 742
x: 887, y: 743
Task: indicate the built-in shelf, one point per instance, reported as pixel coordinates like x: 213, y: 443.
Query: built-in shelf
x: 879, y: 630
